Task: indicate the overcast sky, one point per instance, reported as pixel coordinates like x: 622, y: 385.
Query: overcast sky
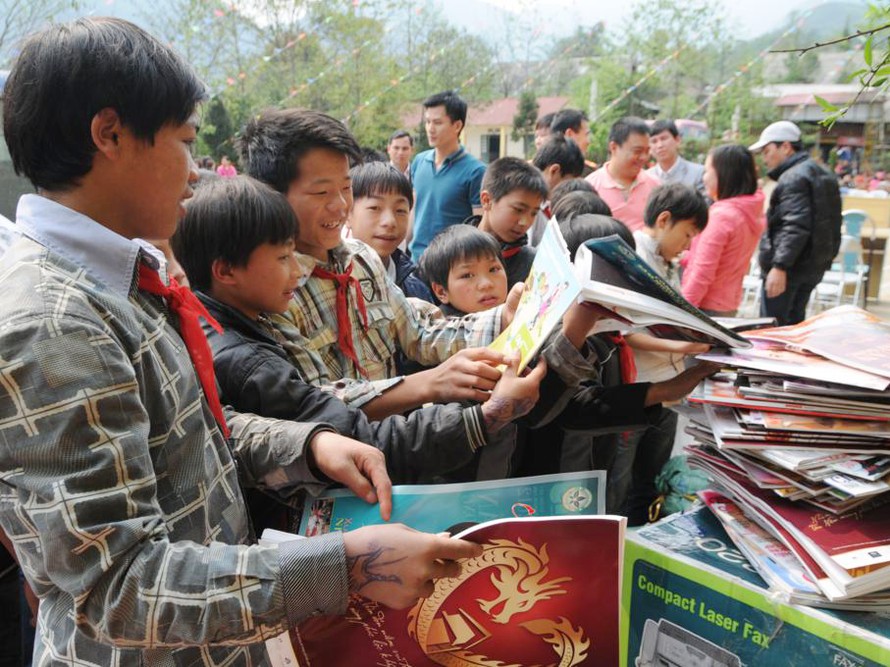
x: 753, y: 17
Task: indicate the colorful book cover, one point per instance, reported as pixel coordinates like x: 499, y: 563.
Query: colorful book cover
x: 437, y: 507
x: 846, y: 334
x: 545, y: 591
x: 611, y: 273
x: 551, y: 287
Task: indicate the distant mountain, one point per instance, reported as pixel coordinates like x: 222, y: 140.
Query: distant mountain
x: 820, y: 23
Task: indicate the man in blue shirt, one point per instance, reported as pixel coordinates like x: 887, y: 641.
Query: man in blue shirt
x: 447, y: 180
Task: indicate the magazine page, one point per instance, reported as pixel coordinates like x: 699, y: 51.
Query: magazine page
x: 613, y: 274
x: 846, y: 334
x: 545, y: 591
x: 551, y: 287
x: 796, y: 364
x: 437, y: 507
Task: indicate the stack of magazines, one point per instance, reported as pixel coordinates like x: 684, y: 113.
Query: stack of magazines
x: 796, y: 435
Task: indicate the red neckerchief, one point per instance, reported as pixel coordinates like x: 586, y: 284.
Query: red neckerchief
x: 344, y: 326
x: 189, y: 311
x: 509, y: 252
x: 625, y: 358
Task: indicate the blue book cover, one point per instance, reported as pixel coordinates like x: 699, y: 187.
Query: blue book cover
x: 439, y: 507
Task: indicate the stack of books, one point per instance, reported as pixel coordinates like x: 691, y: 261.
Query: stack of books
x: 796, y: 435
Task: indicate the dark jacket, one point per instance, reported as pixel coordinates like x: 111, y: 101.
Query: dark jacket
x: 518, y: 255
x: 407, y: 278
x: 255, y: 375
x: 803, y: 230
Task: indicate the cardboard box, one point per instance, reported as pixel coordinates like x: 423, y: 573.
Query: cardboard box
x: 690, y: 599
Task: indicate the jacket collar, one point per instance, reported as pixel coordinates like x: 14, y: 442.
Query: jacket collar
x: 231, y: 319
x: 797, y: 158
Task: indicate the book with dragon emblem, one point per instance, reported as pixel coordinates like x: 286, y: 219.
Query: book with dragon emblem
x: 545, y: 591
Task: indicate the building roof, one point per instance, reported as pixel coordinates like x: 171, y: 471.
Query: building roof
x: 502, y: 112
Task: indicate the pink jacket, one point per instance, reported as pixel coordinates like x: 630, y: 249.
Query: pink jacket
x: 720, y: 256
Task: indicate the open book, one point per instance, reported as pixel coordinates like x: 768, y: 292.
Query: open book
x: 614, y: 276
x: 551, y: 287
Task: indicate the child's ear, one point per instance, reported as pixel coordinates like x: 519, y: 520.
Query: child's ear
x: 554, y: 171
x: 106, y: 130
x: 439, y: 292
x: 221, y: 271
x: 485, y: 200
x: 663, y: 221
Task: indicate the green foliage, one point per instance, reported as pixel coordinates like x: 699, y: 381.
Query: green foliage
x: 362, y: 63
x: 875, y: 76
x: 525, y: 119
x: 217, y: 131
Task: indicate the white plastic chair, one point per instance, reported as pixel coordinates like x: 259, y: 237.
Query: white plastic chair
x: 752, y: 285
x: 846, y: 279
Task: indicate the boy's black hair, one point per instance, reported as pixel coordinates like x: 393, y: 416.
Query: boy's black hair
x: 370, y: 154
x: 452, y: 245
x: 567, y: 119
x: 624, y: 127
x: 580, y: 229
x: 378, y: 178
x: 67, y: 73
x: 228, y: 219
x: 508, y: 174
x: 663, y: 125
x: 581, y: 202
x: 681, y: 201
x: 562, y: 151
x: 274, y: 141
x: 736, y: 171
x: 455, y: 107
x: 544, y: 121
x: 568, y: 186
x: 398, y: 134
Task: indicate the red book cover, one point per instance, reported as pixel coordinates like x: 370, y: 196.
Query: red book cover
x: 545, y: 591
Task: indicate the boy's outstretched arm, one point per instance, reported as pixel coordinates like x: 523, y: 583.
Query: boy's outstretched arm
x: 648, y: 342
x: 395, y: 565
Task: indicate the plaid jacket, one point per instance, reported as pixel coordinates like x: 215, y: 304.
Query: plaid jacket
x: 394, y: 321
x: 117, y: 489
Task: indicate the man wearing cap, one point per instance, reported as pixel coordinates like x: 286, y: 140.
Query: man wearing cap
x: 803, y: 231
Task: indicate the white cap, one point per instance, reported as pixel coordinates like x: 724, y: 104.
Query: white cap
x: 783, y: 130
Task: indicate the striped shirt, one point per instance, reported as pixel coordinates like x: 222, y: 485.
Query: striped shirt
x: 119, y: 493
x: 394, y: 322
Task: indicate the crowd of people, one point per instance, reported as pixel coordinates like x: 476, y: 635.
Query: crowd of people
x: 336, y: 331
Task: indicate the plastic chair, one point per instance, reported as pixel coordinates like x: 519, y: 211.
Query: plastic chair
x: 851, y: 271
x: 857, y: 223
x: 751, y: 289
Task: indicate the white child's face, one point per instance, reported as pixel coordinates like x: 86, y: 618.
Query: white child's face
x: 381, y: 221
x: 474, y: 284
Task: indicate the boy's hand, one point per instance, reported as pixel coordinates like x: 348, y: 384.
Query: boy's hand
x: 776, y: 282
x: 395, y: 565
x: 358, y: 466
x: 511, y: 304
x: 469, y: 375
x: 645, y: 341
x: 577, y: 322
x: 677, y: 387
x: 514, y: 396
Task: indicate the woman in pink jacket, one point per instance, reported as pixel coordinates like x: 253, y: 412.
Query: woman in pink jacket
x: 720, y: 256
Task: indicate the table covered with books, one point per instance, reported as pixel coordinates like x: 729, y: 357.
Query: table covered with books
x: 787, y: 561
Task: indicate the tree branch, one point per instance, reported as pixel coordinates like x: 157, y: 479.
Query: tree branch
x: 819, y: 45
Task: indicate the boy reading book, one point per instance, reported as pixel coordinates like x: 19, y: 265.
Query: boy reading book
x: 512, y: 194
x: 465, y: 270
x: 121, y: 487
x: 674, y: 215
x: 463, y: 267
x: 382, y: 203
x: 347, y: 321
x: 236, y: 243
